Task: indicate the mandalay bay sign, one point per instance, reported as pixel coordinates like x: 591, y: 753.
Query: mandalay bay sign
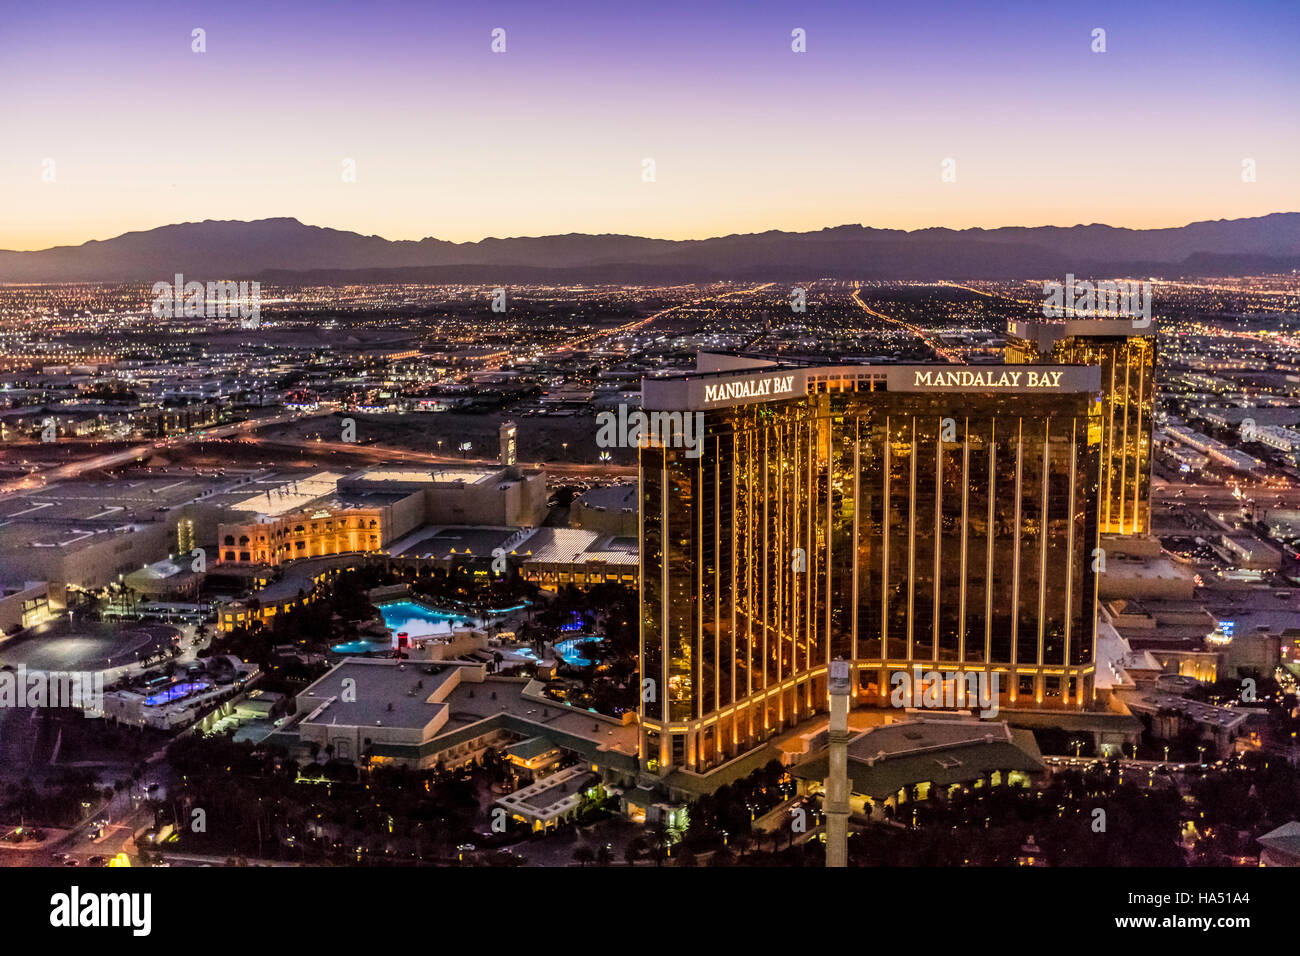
x: 994, y: 378
x: 987, y: 378
x: 747, y: 388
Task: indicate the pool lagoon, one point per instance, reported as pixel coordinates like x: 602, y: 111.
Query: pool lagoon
x: 414, y: 619
x: 420, y: 620
x: 175, y: 692
x: 568, y: 651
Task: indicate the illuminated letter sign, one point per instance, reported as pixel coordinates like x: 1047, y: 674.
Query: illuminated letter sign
x: 749, y: 388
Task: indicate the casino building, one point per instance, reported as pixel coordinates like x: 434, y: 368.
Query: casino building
x: 940, y: 515
x: 1127, y: 358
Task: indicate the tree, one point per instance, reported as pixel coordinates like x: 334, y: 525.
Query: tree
x: 583, y: 855
x: 632, y: 852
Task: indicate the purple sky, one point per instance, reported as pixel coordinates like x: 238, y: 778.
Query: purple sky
x: 452, y: 140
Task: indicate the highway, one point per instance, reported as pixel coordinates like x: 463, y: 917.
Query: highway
x: 246, y: 429
x: 495, y: 360
x: 136, y: 453
x: 1223, y: 497
x: 381, y: 453
x: 915, y: 330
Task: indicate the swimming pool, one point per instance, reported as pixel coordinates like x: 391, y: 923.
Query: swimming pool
x: 568, y: 651
x: 175, y: 692
x: 361, y: 647
x: 419, y: 620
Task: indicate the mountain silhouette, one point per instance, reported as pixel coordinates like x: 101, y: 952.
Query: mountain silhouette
x: 287, y: 251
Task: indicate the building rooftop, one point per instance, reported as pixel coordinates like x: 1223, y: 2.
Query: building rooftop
x: 438, y: 475
x: 286, y: 496
x: 383, y: 693
x: 1226, y: 718
x: 531, y: 747
x: 440, y: 541
x: 1285, y: 841
x: 573, y: 545
x: 888, y: 758
x: 471, y: 703
x: 610, y: 497
x: 68, y: 535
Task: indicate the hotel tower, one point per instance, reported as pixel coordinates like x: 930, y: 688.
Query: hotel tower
x: 942, y: 515
x: 1127, y: 359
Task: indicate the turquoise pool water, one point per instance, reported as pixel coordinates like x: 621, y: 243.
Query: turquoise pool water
x: 361, y: 647
x: 175, y: 692
x: 418, y: 620
x: 568, y: 651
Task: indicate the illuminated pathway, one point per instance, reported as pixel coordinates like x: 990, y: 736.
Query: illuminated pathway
x: 500, y: 358
x: 918, y: 332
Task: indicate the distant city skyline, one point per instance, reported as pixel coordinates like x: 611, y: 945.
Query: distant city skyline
x: 550, y: 137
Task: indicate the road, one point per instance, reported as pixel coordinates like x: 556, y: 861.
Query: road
x: 389, y: 453
x: 920, y: 333
x: 127, y: 813
x: 491, y: 362
x: 495, y: 360
x: 1223, y: 497
x: 140, y: 452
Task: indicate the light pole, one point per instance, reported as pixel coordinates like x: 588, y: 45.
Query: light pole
x: 837, y: 779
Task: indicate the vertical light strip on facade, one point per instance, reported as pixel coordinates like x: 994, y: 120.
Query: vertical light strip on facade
x: 1069, y: 539
x: 936, y: 589
x: 911, y: 542
x: 988, y: 577
x: 1123, y: 462
x: 1015, y: 552
x: 965, y: 537
x: 1043, y: 520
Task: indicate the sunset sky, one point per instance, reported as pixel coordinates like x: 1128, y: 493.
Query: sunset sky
x: 453, y: 141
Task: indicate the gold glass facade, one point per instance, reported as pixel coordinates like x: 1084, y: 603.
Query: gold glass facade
x: 890, y: 528
x: 1127, y: 365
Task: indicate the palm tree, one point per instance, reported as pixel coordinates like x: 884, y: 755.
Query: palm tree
x: 632, y: 852
x: 659, y: 842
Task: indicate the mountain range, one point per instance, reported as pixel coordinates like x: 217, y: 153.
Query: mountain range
x: 286, y: 251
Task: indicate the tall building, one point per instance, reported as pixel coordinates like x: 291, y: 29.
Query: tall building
x: 837, y: 773
x: 1127, y: 357
x: 507, y: 436
x: 185, y: 540
x: 938, y: 515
